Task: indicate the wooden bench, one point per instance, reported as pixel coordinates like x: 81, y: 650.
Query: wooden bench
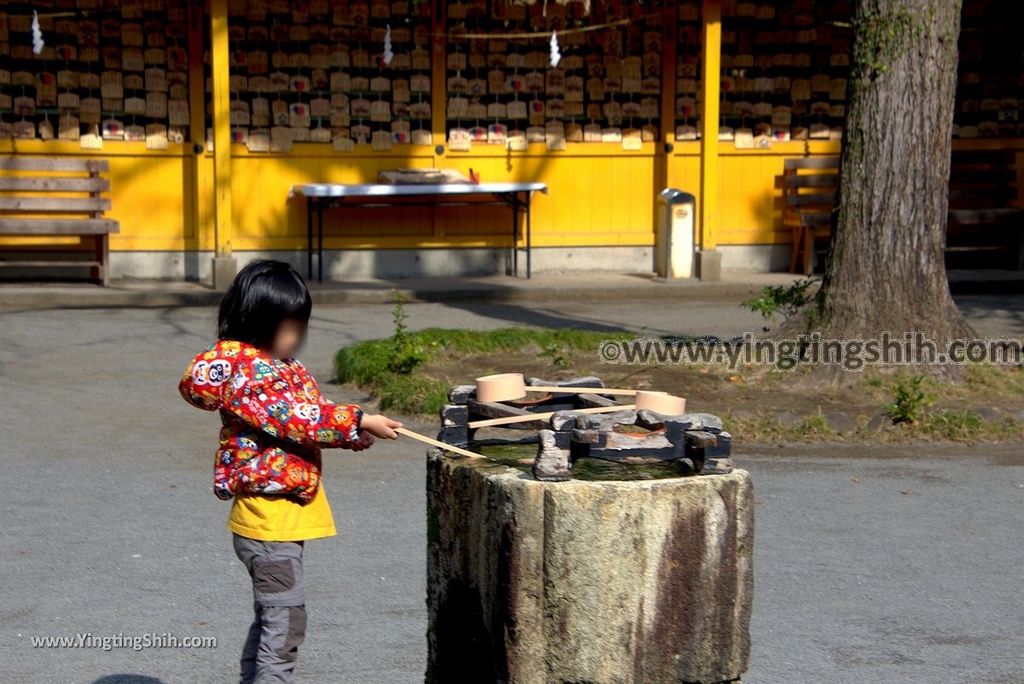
x: 57, y: 197
x: 809, y: 193
x: 985, y: 212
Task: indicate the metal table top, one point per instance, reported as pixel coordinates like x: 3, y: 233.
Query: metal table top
x: 392, y: 190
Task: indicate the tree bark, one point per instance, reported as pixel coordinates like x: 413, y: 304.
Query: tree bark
x: 886, y: 270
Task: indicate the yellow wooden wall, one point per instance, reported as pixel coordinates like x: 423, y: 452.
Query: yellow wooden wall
x: 599, y: 194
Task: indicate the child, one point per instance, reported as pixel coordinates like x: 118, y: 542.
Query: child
x: 274, y: 424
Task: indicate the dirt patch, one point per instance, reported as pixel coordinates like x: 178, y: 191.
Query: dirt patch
x: 768, y: 405
x: 411, y: 376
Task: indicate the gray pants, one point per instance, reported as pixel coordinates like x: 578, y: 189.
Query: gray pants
x: 279, y: 603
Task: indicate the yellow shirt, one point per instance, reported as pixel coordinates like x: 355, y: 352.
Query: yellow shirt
x: 270, y: 518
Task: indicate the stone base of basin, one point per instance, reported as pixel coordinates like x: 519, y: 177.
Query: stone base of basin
x: 610, y: 582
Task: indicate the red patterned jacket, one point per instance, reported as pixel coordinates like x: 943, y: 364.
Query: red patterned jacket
x: 275, y: 421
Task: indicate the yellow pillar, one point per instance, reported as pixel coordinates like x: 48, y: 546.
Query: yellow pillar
x: 199, y: 207
x: 438, y: 96
x: 669, y: 38
x: 710, y: 84
x: 663, y: 146
x: 220, y: 74
x: 438, y: 100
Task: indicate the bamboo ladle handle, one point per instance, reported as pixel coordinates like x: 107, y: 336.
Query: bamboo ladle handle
x: 512, y: 386
x: 580, y: 390
x: 535, y: 416
x: 433, y: 442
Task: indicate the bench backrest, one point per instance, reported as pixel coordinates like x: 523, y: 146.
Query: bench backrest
x: 983, y: 179
x: 978, y: 179
x: 810, y: 183
x: 34, y: 186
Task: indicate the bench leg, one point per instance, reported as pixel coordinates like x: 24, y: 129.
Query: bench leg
x: 103, y: 257
x: 808, y: 251
x: 794, y: 250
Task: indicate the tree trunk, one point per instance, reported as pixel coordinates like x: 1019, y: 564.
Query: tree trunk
x: 639, y: 582
x: 886, y: 270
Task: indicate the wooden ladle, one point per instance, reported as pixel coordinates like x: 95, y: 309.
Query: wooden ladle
x: 511, y: 386
x: 659, y: 402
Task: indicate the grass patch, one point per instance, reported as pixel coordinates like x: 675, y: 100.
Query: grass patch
x: 411, y: 394
x: 368, y: 363
x: 1006, y: 379
x: 942, y: 425
x: 391, y: 368
x: 388, y: 369
x: 814, y: 427
x: 956, y: 426
x: 910, y: 400
x: 762, y: 427
x: 781, y: 299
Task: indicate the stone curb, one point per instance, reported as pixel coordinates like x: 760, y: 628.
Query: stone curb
x: 128, y: 296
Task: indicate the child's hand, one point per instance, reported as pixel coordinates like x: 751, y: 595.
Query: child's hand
x: 380, y: 426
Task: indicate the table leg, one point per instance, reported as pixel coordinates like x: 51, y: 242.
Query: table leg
x: 309, y: 237
x: 515, y: 235
x: 529, y: 196
x: 320, y: 244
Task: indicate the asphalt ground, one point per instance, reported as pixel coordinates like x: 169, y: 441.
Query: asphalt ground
x: 872, y: 565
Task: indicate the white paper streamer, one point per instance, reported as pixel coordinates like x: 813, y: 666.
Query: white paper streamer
x: 556, y: 56
x: 388, y: 54
x: 37, y: 34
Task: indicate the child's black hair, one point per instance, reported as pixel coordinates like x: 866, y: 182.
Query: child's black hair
x: 263, y: 295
